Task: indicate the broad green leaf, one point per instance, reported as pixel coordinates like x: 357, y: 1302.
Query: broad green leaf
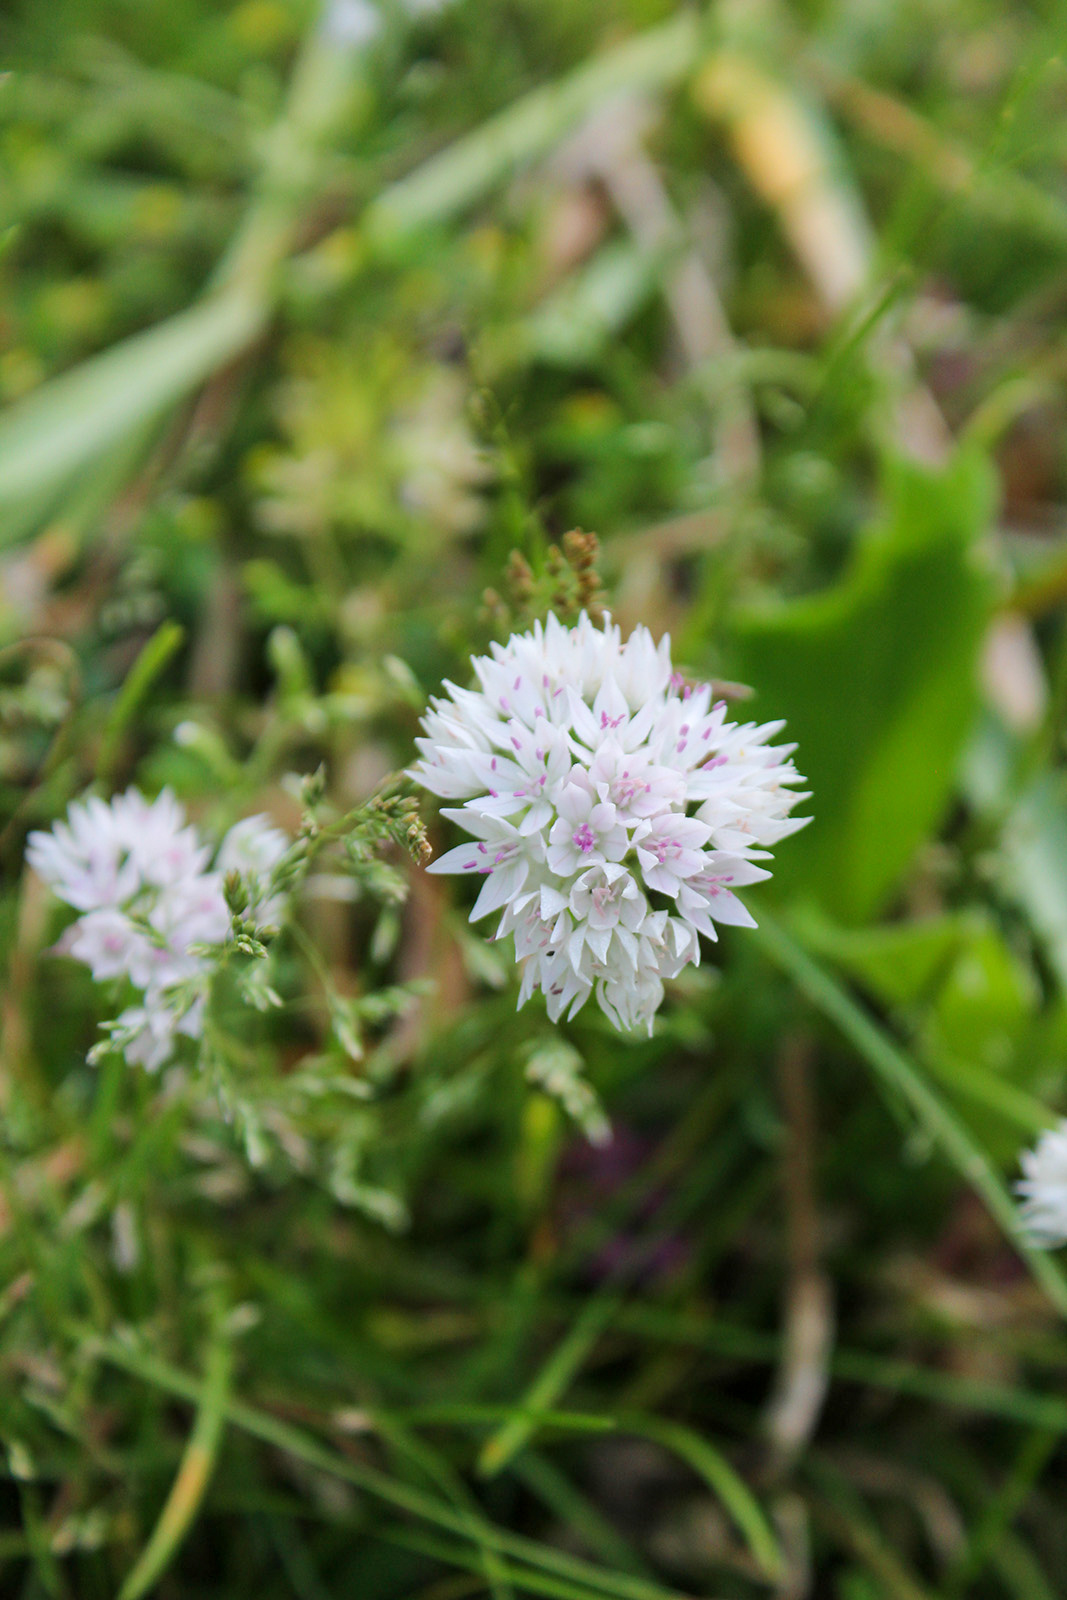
x: 1033, y: 865
x: 987, y: 999
x: 898, y: 963
x: 877, y: 677
x: 982, y: 1037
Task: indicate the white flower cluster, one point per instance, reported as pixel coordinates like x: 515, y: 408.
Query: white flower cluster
x: 614, y: 810
x: 150, y: 898
x: 1043, y: 1188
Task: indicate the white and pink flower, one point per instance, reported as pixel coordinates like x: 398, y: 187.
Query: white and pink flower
x: 614, y: 810
x: 152, y: 905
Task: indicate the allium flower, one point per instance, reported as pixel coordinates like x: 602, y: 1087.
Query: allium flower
x: 1043, y: 1188
x: 613, y: 810
x: 152, y: 906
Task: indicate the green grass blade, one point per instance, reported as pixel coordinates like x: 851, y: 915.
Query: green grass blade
x: 1000, y: 1513
x: 479, y: 1416
x: 469, y: 168
x: 554, y: 1377
x: 447, y: 1480
x: 523, y: 1579
x: 555, y: 1490
x: 69, y: 422
x: 898, y: 1074
x: 152, y: 661
x: 283, y: 1436
x: 194, y: 1475
x: 729, y: 1488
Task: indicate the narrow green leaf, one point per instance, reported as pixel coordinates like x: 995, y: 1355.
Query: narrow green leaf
x: 553, y: 1379
x: 525, y: 1579
x: 469, y: 168
x: 152, y: 661
x: 283, y: 1436
x: 895, y: 1072
x: 194, y: 1475
x: 724, y: 1482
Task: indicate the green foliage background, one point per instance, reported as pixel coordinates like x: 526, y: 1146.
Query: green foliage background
x: 300, y: 338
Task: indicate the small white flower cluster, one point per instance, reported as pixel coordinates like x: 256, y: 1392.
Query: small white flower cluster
x: 150, y: 898
x: 614, y: 810
x: 1043, y: 1188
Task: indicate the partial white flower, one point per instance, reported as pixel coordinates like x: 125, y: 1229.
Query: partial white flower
x: 165, y: 849
x: 147, y: 1034
x: 614, y: 810
x: 105, y: 941
x: 1043, y: 1188
x: 153, y: 908
x: 87, y: 858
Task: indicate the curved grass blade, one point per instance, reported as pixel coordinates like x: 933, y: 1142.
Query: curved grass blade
x: 68, y: 422
x: 404, y: 1497
x: 152, y: 661
x: 555, y: 1377
x: 192, y: 1480
x: 896, y: 1072
x: 727, y: 1485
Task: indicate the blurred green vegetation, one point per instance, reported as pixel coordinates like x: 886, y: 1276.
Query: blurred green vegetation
x: 310, y: 317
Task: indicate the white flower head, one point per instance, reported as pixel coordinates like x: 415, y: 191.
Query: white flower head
x: 613, y: 810
x: 152, y: 906
x: 1043, y: 1188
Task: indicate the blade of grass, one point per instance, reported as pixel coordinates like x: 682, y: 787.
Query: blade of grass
x: 71, y: 420
x: 1019, y: 1570
x: 456, y: 1555
x: 194, y: 1474
x: 727, y: 1485
x: 444, y: 1477
x: 577, y: 1513
x: 896, y: 1073
x: 283, y: 1436
x: 464, y: 171
x: 478, y: 1415
x: 38, y: 1545
x: 67, y: 422
x: 150, y: 664
x: 856, y: 1366
x: 553, y: 1379
x: 998, y: 1515
x: 854, y: 1532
